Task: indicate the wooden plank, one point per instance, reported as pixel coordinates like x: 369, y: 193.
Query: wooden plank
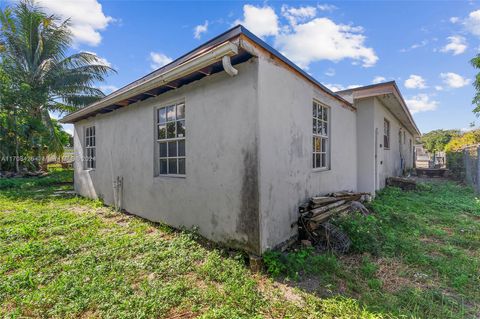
x: 320, y: 210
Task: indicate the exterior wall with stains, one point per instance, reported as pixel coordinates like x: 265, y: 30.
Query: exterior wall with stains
x: 219, y: 193
x: 390, y: 159
x: 366, y: 141
x: 286, y: 176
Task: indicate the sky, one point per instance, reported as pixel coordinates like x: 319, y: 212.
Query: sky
x: 425, y: 46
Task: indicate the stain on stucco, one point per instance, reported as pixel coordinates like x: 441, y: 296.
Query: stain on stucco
x: 248, y: 221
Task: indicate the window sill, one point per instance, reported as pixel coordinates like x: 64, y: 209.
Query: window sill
x: 318, y: 170
x: 170, y: 177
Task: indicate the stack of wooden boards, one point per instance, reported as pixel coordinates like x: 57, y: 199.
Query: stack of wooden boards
x: 321, y: 208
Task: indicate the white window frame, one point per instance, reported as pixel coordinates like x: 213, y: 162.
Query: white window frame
x: 321, y: 116
x: 89, y: 142
x: 386, y: 132
x: 163, y: 138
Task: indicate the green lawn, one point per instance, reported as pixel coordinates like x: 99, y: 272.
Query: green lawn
x: 65, y: 256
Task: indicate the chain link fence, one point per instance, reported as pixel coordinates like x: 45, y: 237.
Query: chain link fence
x: 464, y: 165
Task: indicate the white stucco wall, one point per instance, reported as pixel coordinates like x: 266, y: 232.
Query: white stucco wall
x: 286, y: 177
x: 389, y: 159
x: 219, y: 194
x: 366, y: 144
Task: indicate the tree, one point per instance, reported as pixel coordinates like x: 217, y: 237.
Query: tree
x: 476, y: 100
x: 458, y: 142
x: 42, y: 77
x: 435, y: 141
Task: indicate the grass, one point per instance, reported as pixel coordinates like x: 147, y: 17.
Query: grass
x: 417, y: 256
x: 64, y: 256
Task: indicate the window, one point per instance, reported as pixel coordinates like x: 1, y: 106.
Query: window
x: 170, y: 130
x: 400, y: 137
x: 89, y: 153
x: 410, y: 145
x: 321, y: 147
x: 386, y: 134
x: 404, y: 138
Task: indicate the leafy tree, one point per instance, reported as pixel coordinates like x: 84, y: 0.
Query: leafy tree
x: 435, y: 141
x: 458, y: 142
x: 476, y: 100
x: 42, y: 78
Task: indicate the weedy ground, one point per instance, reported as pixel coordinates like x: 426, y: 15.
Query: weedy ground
x: 65, y: 256
x: 418, y: 255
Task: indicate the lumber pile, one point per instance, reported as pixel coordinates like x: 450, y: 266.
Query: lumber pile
x: 314, y: 214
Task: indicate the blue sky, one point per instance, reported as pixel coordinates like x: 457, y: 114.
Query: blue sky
x: 424, y: 46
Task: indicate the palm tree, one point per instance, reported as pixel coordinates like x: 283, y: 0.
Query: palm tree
x: 476, y: 100
x: 33, y: 52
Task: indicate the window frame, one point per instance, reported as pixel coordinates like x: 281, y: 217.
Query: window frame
x: 386, y: 133
x: 323, y: 135
x: 89, y: 162
x: 167, y: 140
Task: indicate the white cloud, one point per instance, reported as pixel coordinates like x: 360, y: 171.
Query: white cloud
x: 326, y: 7
x: 158, y: 60
x: 415, y: 82
x: 87, y: 18
x: 457, y: 45
x: 415, y: 46
x: 421, y: 103
x: 472, y: 22
x: 107, y: 89
x: 378, y: 79
x: 300, y: 14
x: 323, y: 39
x: 454, y: 19
x: 263, y: 21
x: 454, y: 80
x: 339, y: 87
x: 330, y: 72
x: 100, y: 59
x: 199, y: 29
x: 438, y: 87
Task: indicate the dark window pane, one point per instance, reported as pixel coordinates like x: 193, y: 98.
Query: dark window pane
x: 181, y: 148
x: 163, y: 149
x: 181, y: 166
x: 171, y: 113
x: 314, y: 110
x: 317, y: 144
x: 163, y: 166
x: 180, y: 111
x: 93, y: 141
x: 162, y: 117
x: 181, y: 128
x: 314, y: 126
x: 317, y: 160
x: 172, y: 166
x: 171, y: 130
x: 324, y: 145
x: 172, y: 149
x: 162, y: 132
x: 324, y: 159
x: 325, y: 128
x: 313, y: 160
x: 325, y: 114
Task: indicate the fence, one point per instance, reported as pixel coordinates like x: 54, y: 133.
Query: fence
x: 464, y: 165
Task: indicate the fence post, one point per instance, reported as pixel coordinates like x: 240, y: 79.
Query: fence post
x: 477, y: 188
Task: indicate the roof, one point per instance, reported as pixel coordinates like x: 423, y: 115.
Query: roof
x: 381, y: 89
x: 144, y: 88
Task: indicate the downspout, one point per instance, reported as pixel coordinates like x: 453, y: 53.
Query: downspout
x: 227, y: 66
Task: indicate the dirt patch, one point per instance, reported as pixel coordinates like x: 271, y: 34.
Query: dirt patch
x: 280, y: 290
x: 393, y: 273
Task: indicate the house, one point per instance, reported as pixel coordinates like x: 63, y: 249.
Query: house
x: 231, y: 137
